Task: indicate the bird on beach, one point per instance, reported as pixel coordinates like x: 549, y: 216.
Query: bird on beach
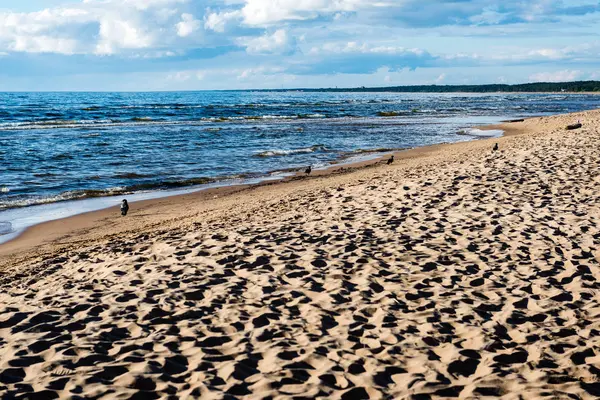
x: 495, y: 147
x: 124, y: 207
x: 390, y: 160
x: 308, y: 170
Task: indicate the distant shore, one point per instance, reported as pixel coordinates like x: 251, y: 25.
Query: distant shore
x: 576, y: 87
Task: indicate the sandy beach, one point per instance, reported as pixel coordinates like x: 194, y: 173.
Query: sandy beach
x: 456, y: 272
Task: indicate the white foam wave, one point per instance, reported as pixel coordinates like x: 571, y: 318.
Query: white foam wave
x: 490, y: 133
x: 283, y: 152
x: 5, y: 228
x: 69, y: 195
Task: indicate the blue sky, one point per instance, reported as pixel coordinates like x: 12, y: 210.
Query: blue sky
x: 230, y: 44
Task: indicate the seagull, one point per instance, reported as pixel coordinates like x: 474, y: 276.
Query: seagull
x: 308, y: 170
x: 495, y: 147
x: 390, y: 160
x: 124, y: 207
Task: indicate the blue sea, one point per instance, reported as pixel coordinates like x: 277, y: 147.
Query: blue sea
x: 61, y: 152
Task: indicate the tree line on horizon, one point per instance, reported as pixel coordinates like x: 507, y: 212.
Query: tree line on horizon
x: 558, y: 87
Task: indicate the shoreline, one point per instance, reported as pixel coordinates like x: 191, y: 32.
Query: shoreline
x: 52, y: 232
x: 349, y: 161
x: 270, y: 177
x: 59, y: 233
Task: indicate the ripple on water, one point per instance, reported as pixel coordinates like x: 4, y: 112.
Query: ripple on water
x: 5, y: 228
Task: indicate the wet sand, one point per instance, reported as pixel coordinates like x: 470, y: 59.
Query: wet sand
x: 456, y: 272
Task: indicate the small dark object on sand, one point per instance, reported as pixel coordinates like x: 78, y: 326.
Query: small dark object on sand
x: 390, y: 160
x: 308, y: 170
x: 574, y: 126
x: 495, y: 148
x: 124, y: 208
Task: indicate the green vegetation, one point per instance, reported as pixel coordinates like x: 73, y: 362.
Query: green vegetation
x: 557, y: 87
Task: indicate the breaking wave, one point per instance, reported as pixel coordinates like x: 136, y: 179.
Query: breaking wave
x: 303, y: 150
x: 488, y: 133
x: 5, y: 228
x: 114, y: 191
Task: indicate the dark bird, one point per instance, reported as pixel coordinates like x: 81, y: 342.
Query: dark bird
x: 390, y: 160
x: 308, y: 170
x: 124, y: 208
x: 495, y: 147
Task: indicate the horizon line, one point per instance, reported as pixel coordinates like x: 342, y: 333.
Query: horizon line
x: 338, y: 89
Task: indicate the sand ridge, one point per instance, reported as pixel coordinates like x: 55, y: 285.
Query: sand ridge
x: 468, y: 273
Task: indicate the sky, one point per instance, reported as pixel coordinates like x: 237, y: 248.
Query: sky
x: 147, y: 45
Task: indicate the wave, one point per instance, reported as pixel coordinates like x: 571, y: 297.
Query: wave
x: 5, y: 228
x: 176, y: 106
x: 56, y: 124
x: 63, y: 156
x: 379, y: 150
x: 65, y: 196
x: 130, y: 175
x: 16, y: 126
x: 405, y: 113
x: 145, y: 121
x: 114, y: 191
x: 303, y: 150
x: 169, y: 184
x: 488, y: 133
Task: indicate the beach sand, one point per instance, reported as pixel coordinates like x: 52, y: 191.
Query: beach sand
x: 455, y: 272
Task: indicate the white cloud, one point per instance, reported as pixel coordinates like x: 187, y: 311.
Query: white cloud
x: 179, y: 76
x: 547, y: 53
x: 277, y: 43
x: 139, y: 4
x: 488, y: 16
x: 266, y: 12
x: 363, y: 48
x: 43, y: 31
x: 513, y: 54
x: 250, y: 73
x: 186, y: 75
x: 121, y: 34
x: 44, y: 44
x: 218, y: 21
x: 557, y: 76
x: 149, y: 54
x: 94, y: 26
x: 188, y: 25
x: 441, y: 78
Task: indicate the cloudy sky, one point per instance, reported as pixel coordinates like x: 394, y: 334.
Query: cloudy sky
x: 229, y: 44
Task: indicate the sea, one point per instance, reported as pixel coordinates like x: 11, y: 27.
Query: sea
x: 66, y: 153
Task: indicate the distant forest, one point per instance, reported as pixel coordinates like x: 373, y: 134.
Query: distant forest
x: 558, y: 87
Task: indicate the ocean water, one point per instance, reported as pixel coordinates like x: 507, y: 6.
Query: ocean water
x: 57, y: 147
